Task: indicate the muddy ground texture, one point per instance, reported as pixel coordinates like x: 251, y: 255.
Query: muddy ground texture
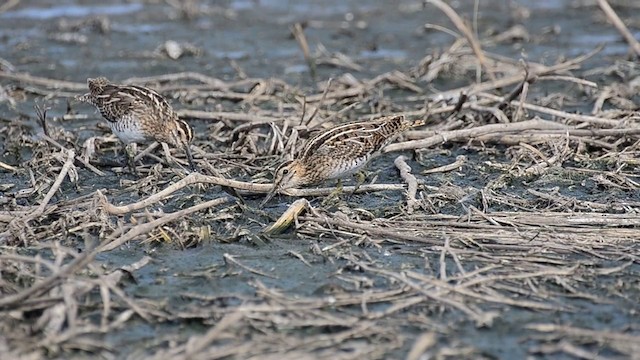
x: 507, y: 227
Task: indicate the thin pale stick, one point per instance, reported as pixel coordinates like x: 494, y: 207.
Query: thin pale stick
x: 619, y: 24
x: 145, y: 228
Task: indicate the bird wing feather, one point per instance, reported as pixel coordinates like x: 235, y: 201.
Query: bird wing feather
x: 116, y: 102
x: 354, y: 140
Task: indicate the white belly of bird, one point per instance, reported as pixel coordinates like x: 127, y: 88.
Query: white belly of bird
x: 128, y: 132
x: 347, y: 168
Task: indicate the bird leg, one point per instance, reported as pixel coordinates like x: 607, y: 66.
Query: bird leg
x: 171, y: 159
x: 334, y: 195
x: 167, y: 154
x: 360, y: 178
x: 187, y: 150
x: 130, y: 153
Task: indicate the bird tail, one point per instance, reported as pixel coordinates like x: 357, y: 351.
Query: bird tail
x: 86, y: 98
x: 409, y: 124
x: 419, y: 122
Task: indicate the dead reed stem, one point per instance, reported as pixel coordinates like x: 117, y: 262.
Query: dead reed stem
x: 620, y: 26
x: 517, y: 203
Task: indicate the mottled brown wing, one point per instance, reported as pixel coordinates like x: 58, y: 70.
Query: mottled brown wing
x: 150, y: 97
x: 355, y: 140
x: 116, y: 102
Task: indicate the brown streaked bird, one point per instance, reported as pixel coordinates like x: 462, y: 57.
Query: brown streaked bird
x: 338, y: 152
x: 138, y: 114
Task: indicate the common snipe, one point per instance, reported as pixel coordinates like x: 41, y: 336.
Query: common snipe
x: 138, y: 114
x: 338, y: 152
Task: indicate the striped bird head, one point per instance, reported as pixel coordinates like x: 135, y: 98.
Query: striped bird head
x: 182, y: 133
x: 97, y: 85
x: 288, y: 175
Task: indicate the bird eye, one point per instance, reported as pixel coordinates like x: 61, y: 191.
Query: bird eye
x: 285, y: 171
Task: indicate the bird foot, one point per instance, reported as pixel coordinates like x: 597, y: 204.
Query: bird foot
x: 334, y: 197
x: 360, y: 179
x: 130, y: 153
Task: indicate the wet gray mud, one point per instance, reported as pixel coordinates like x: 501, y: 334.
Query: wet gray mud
x: 527, y: 249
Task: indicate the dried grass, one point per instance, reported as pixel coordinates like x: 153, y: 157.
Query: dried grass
x: 485, y: 246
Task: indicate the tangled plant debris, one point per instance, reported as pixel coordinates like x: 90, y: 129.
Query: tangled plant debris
x: 511, y: 201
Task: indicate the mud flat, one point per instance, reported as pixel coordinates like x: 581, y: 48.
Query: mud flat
x: 505, y: 228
